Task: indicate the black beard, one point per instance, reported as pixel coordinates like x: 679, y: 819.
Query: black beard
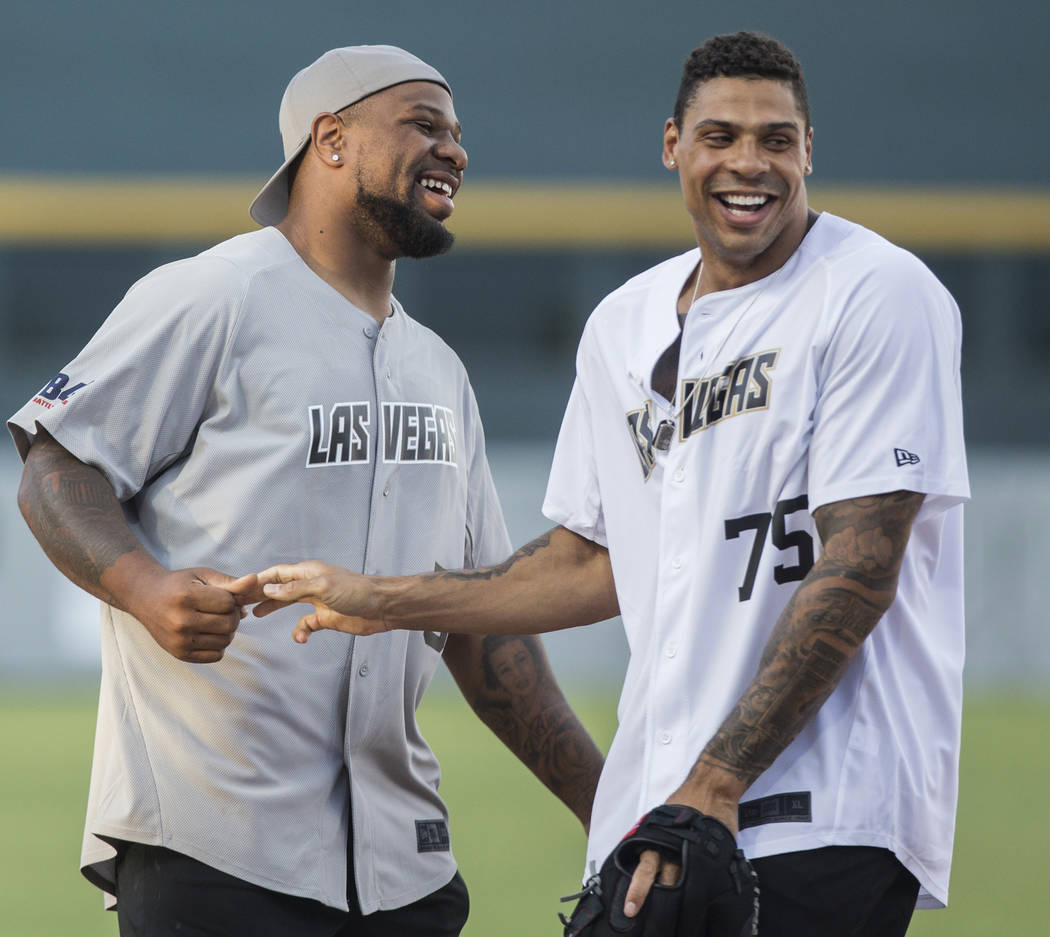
x: 411, y: 230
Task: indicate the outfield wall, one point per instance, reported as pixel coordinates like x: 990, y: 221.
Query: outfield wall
x: 136, y: 133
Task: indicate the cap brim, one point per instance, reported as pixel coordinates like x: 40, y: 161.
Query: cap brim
x: 271, y: 204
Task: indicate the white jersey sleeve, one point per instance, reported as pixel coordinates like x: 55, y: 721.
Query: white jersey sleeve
x: 487, y: 540
x: 889, y: 413
x: 573, y: 497
x: 129, y: 403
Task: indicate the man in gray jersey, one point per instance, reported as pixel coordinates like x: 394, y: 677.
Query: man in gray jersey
x: 263, y: 401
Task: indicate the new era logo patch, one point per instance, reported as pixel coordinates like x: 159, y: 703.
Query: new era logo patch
x: 904, y: 457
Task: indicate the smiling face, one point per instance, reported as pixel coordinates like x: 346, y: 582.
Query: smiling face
x: 743, y: 152
x: 403, y: 148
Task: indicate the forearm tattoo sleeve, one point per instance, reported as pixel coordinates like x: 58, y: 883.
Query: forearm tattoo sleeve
x: 823, y: 625
x: 74, y: 514
x: 523, y: 705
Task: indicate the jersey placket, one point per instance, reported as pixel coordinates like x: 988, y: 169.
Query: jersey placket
x: 676, y: 475
x: 375, y: 561
x: 670, y: 704
x: 670, y: 698
x: 359, y: 667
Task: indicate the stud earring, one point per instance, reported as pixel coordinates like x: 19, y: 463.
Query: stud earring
x: 335, y: 157
x: 672, y: 164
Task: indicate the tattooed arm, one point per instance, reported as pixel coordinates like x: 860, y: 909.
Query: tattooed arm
x: 559, y: 580
x: 509, y: 684
x: 75, y: 515
x: 817, y: 635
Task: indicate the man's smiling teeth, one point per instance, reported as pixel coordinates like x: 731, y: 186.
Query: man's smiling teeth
x: 437, y: 185
x: 743, y: 204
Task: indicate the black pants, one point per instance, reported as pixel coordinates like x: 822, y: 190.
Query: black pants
x: 839, y: 891
x: 161, y: 893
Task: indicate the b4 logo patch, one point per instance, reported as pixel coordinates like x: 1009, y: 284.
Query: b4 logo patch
x: 57, y: 391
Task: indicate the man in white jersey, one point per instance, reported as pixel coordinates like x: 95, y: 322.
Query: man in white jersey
x: 267, y: 399
x: 762, y: 467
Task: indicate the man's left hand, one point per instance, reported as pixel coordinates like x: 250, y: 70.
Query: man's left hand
x: 679, y: 873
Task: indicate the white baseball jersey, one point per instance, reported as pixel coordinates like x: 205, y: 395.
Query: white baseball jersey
x: 247, y: 414
x: 833, y: 378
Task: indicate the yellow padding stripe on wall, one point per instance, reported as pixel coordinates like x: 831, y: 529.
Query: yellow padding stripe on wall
x: 99, y: 211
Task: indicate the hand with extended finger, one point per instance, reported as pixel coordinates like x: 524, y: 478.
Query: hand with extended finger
x: 703, y: 888
x: 342, y: 599
x: 188, y: 612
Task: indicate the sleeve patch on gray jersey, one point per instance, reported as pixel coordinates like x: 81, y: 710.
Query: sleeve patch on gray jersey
x: 778, y: 808
x: 432, y: 836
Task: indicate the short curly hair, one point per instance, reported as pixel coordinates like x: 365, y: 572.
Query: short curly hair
x: 742, y: 54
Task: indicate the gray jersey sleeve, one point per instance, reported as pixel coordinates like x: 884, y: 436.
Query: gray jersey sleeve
x: 130, y: 402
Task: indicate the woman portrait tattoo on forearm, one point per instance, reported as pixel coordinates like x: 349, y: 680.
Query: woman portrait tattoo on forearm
x: 524, y: 707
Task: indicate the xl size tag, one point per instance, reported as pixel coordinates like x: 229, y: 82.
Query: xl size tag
x: 795, y: 807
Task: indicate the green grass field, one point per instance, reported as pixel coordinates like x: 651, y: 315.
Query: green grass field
x: 517, y: 847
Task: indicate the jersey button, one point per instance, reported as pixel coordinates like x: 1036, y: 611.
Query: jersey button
x: 369, y: 331
x: 676, y: 563
x: 670, y: 650
x: 665, y: 738
x: 679, y: 475
x: 386, y: 492
x: 363, y: 670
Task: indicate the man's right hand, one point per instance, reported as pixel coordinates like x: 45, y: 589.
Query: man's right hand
x: 73, y: 511
x: 188, y: 612
x: 559, y: 580
x: 339, y: 596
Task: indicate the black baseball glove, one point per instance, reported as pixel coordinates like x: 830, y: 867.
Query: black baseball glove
x: 716, y: 894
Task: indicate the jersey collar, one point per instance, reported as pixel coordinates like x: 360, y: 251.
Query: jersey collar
x: 660, y: 318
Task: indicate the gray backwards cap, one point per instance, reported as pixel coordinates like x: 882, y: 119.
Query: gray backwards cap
x: 336, y: 80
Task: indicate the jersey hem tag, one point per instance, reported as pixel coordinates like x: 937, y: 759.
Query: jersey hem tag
x: 432, y: 836
x: 794, y: 807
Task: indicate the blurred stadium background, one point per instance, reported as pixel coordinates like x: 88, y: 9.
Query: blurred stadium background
x: 136, y: 133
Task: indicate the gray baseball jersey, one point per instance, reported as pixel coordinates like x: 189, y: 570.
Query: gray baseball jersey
x: 247, y: 414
